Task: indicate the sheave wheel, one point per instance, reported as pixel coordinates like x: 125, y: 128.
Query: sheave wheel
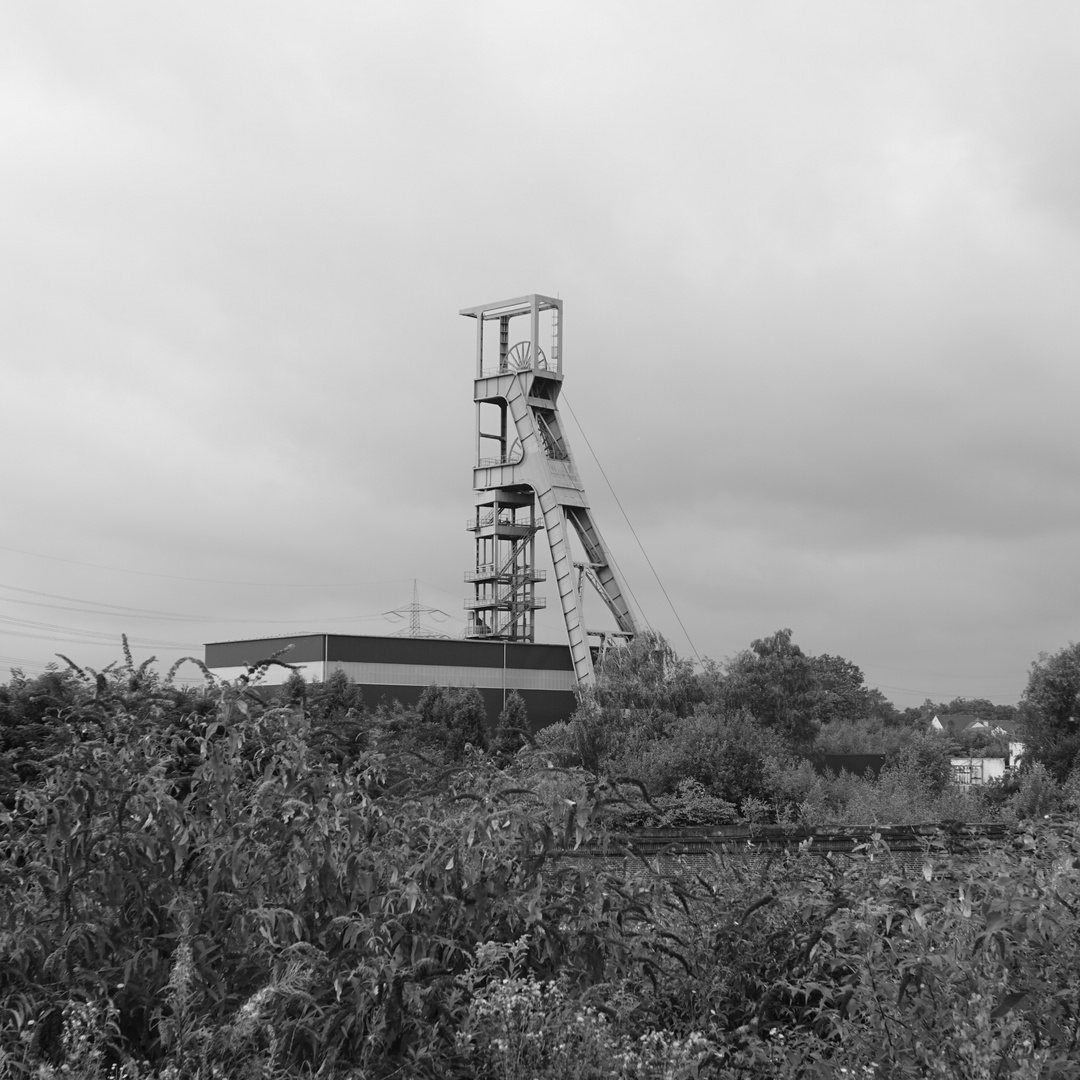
x: 519, y: 358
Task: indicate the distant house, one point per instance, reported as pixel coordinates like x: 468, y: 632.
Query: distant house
x: 976, y: 767
x: 956, y: 724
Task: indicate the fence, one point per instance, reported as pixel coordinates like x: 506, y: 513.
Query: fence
x: 689, y: 850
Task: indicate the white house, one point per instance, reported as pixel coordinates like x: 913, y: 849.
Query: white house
x: 975, y: 768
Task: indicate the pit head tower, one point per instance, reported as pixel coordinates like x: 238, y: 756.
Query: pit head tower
x: 527, y: 485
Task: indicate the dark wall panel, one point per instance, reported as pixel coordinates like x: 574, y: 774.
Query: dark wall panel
x: 445, y: 653
x: 543, y: 706
x: 305, y: 649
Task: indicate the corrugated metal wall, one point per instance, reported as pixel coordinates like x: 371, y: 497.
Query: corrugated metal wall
x: 394, y: 668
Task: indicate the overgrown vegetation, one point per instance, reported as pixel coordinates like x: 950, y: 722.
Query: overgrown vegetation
x: 209, y: 883
x: 746, y: 740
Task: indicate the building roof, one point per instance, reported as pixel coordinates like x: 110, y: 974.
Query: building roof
x: 956, y: 724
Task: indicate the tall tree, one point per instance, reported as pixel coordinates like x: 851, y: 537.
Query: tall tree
x: 460, y: 712
x: 1050, y: 709
x: 646, y: 674
x: 776, y: 682
x: 336, y: 709
x: 842, y: 693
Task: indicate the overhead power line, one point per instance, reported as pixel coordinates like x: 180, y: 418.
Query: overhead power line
x: 633, y: 531
x: 929, y: 695
x: 102, y: 608
x: 23, y: 662
x: 117, y: 611
x: 89, y: 638
x: 205, y: 581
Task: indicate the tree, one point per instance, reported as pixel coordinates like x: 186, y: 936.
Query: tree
x: 1050, y: 708
x: 335, y: 697
x: 881, y: 708
x: 512, y: 730
x: 923, y: 761
x: 459, y: 711
x: 732, y: 757
x: 983, y: 708
x: 776, y: 682
x: 646, y: 674
x: 641, y: 688
x: 335, y: 708
x: 842, y: 692
x: 293, y: 690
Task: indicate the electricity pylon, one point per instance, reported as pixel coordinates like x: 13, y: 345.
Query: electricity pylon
x: 414, y: 611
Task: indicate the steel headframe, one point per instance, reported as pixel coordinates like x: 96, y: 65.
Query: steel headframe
x: 533, y: 460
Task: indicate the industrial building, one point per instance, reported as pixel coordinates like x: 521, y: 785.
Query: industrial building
x: 399, y: 668
x: 526, y: 487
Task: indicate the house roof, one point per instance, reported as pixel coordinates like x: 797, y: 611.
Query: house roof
x: 955, y: 724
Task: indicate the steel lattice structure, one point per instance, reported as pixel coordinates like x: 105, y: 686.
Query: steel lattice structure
x: 527, y: 484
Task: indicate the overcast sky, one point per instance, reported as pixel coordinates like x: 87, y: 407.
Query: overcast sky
x: 820, y: 265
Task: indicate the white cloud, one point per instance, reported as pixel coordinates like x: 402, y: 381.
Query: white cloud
x: 819, y: 268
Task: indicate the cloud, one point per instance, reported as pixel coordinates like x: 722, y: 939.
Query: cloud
x: 819, y: 270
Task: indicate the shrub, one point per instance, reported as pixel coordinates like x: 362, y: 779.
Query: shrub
x: 195, y: 891
x: 798, y: 793
x: 922, y: 762
x: 1037, y: 794
x: 460, y: 713
x: 519, y: 1026
x: 556, y: 745
x: 512, y: 730
x: 731, y: 757
x: 220, y: 893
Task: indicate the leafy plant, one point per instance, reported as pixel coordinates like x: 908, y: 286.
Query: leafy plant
x: 512, y: 730
x: 200, y: 886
